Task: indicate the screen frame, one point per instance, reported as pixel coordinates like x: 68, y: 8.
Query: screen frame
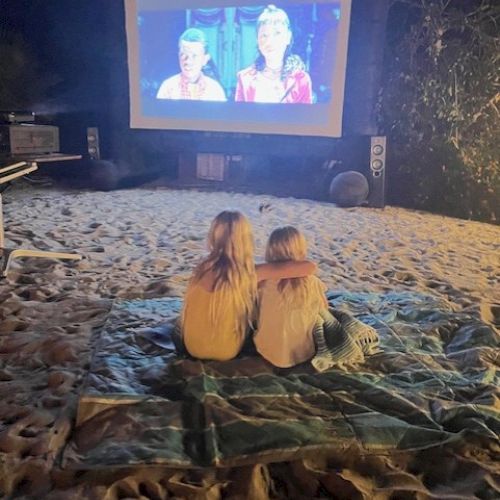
x: 332, y: 127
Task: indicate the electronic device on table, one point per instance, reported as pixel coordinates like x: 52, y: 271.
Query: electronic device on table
x: 20, y: 135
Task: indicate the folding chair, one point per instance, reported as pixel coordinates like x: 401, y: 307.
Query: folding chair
x: 8, y: 174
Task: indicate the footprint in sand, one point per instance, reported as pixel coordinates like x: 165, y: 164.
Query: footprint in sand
x: 436, y: 285
x: 490, y: 313
x: 61, y: 382
x: 408, y: 278
x: 57, y: 352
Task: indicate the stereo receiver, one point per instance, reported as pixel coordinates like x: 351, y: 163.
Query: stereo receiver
x: 27, y: 138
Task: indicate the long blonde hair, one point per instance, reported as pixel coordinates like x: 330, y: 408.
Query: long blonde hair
x: 231, y: 262
x: 288, y: 243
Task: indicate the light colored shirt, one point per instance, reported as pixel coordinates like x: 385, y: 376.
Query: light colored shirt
x: 284, y: 336
x: 205, y: 89
x: 204, y: 339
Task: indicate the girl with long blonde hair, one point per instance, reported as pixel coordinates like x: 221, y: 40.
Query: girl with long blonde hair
x: 221, y: 296
x: 289, y: 309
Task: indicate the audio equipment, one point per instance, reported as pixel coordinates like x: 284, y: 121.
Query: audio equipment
x: 378, y: 148
x: 25, y: 138
x: 211, y: 166
x: 93, y: 147
x: 17, y: 117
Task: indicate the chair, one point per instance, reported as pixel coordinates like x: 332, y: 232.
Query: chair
x: 8, y: 174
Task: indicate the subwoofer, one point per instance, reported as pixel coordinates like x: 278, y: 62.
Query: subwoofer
x: 378, y: 147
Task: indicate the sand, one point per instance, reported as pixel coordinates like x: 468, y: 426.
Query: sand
x: 144, y: 243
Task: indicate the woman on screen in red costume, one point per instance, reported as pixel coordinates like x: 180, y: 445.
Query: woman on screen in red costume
x: 192, y: 83
x: 277, y: 75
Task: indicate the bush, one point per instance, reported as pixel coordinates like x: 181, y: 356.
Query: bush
x: 440, y: 106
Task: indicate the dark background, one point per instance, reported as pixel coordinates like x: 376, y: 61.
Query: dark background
x: 74, y: 75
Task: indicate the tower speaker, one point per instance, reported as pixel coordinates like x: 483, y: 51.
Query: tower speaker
x: 93, y: 147
x: 378, y: 148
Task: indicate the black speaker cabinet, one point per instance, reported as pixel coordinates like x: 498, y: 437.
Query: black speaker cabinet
x: 364, y: 154
x: 93, y: 146
x: 378, y: 147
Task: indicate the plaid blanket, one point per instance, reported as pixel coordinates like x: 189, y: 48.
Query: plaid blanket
x: 434, y: 382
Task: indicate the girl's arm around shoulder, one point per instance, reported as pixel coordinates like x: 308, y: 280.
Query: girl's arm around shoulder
x: 285, y: 270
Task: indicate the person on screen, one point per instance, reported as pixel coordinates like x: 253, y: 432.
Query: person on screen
x: 193, y: 82
x: 277, y: 75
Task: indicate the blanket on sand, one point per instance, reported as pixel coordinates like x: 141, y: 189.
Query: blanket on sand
x: 434, y: 382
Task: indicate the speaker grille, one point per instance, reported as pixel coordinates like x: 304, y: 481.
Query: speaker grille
x: 377, y: 165
x: 377, y: 170
x: 93, y: 143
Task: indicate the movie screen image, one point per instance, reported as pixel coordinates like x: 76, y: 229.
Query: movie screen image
x: 263, y: 68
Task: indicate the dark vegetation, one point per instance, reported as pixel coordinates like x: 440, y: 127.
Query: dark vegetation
x: 440, y: 106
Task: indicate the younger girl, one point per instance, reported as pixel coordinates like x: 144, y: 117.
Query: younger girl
x: 198, y: 79
x: 290, y: 309
x: 220, y: 299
